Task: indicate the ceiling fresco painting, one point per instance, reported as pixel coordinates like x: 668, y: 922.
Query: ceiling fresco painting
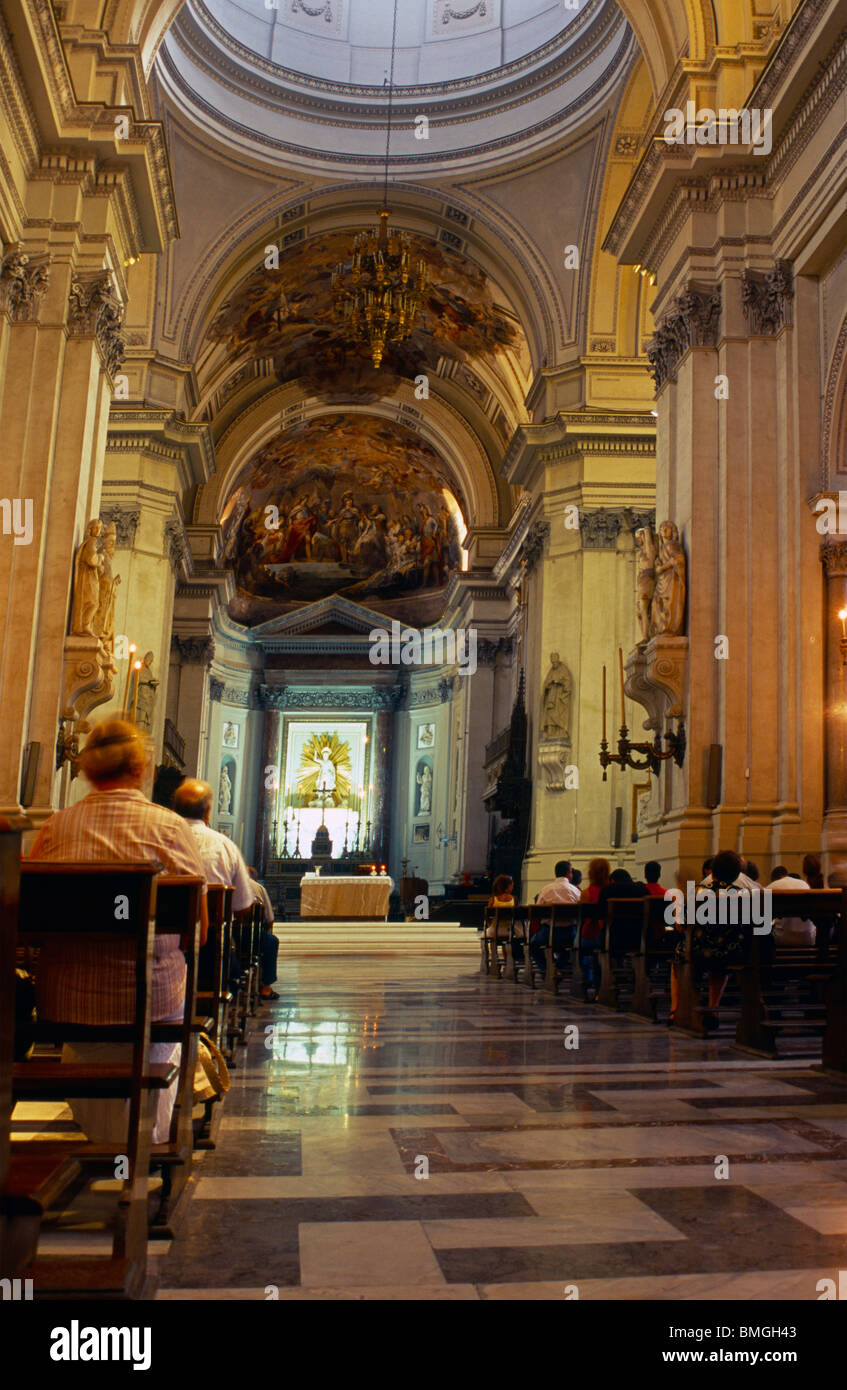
x: 344, y: 504
x: 287, y: 314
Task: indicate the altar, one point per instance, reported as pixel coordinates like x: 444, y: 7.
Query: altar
x: 362, y: 897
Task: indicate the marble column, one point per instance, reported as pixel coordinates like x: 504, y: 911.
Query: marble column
x: 834, y: 558
x: 269, y: 789
x: 190, y: 696
x: 381, y: 803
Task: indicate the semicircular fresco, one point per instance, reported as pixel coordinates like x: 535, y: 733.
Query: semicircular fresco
x: 348, y: 504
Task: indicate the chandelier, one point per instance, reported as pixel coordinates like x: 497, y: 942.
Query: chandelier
x: 378, y: 297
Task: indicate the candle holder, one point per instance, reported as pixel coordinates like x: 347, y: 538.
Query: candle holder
x: 285, y: 854
x: 654, y: 756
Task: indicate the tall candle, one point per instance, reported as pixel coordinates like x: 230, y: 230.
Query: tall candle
x: 604, y: 704
x: 128, y: 679
x: 136, y: 676
x: 623, y: 695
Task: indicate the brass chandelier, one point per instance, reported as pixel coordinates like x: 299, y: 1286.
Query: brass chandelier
x: 378, y: 297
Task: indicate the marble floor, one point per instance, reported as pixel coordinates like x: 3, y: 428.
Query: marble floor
x: 405, y: 1129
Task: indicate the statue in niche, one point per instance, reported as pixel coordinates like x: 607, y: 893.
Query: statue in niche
x: 423, y: 777
x: 225, y: 793
x: 147, y: 688
x: 556, y: 700
x: 645, y: 578
x: 667, y: 611
x: 104, y: 619
x: 327, y: 776
x: 87, y: 569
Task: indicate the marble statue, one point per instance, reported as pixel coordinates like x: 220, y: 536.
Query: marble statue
x: 225, y: 793
x: 87, y: 569
x: 147, y: 688
x: 104, y: 619
x: 327, y: 776
x: 667, y: 611
x: 424, y: 781
x: 645, y: 578
x: 556, y: 700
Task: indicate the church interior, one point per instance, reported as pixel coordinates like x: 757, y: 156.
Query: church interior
x: 422, y: 427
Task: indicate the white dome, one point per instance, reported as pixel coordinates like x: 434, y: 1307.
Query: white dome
x: 349, y: 41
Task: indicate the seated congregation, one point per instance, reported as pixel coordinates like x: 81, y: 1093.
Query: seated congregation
x: 137, y: 947
x: 763, y: 966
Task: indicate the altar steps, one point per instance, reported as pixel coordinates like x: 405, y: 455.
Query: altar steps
x: 337, y: 938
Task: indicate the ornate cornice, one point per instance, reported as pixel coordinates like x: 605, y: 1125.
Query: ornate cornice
x: 694, y: 321
x: 94, y: 309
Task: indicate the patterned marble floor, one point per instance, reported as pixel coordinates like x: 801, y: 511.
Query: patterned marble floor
x: 405, y: 1129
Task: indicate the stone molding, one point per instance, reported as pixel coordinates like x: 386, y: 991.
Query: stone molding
x: 94, y: 308
x: 23, y: 280
x: 191, y: 650
x: 125, y: 521
x: 767, y: 298
x: 694, y: 321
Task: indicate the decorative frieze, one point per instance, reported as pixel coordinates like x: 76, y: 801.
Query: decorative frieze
x: 94, y: 308
x: 125, y: 521
x: 694, y: 321
x: 23, y: 280
x: 216, y: 689
x: 300, y: 697
x: 767, y: 298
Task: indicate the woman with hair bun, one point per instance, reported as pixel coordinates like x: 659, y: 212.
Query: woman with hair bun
x: 84, y: 983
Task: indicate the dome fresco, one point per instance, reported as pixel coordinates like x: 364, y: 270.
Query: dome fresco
x: 287, y: 314
x: 349, y: 41
x: 348, y: 504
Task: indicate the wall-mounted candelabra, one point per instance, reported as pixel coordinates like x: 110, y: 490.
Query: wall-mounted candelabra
x: 653, y: 755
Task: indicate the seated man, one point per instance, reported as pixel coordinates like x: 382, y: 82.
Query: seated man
x: 222, y: 860
x: 87, y: 983
x: 791, y: 931
x: 269, y: 945
x: 561, y: 890
x: 652, y: 875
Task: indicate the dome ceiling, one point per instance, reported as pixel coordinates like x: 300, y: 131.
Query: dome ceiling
x: 348, y: 504
x: 349, y: 41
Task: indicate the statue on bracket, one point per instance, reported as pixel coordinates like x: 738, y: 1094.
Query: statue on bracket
x: 556, y: 700
x: 87, y: 570
x: 225, y: 792
x: 660, y: 581
x: 104, y: 619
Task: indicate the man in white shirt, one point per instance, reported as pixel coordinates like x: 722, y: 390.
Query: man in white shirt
x: 791, y: 931
x: 561, y: 890
x: 269, y: 945
x: 223, y: 861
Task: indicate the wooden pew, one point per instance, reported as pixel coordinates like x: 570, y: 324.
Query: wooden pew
x: 79, y: 902
x: 560, y: 916
x: 658, y: 942
x: 780, y: 981
x: 213, y: 994
x: 501, y: 920
x: 588, y: 915
x: 620, y: 942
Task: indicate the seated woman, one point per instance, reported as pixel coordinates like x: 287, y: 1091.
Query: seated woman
x: 599, y: 874
x: 714, y: 947
x: 84, y: 983
x: 502, y: 895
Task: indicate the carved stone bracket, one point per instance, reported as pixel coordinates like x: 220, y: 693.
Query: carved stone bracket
x: 656, y: 672
x: 554, y: 756
x: 125, y: 521
x: 693, y: 321
x: 88, y: 678
x: 23, y: 280
x: 94, y: 308
x: 767, y: 298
